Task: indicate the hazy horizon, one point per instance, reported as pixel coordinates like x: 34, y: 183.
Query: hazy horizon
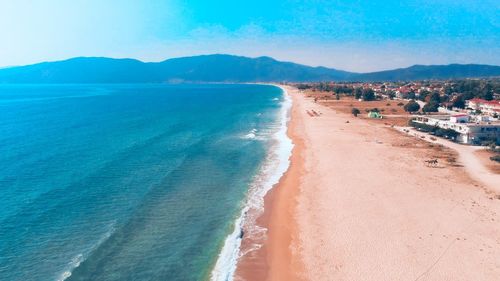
x: 236, y: 55
x: 357, y: 36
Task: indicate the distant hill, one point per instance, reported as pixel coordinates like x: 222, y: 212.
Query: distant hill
x: 427, y: 72
x: 219, y: 68
x: 208, y: 68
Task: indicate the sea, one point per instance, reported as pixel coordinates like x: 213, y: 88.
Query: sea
x: 134, y: 181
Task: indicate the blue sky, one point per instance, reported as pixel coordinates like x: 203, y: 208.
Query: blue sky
x: 355, y: 35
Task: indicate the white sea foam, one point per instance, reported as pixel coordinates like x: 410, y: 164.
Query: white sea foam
x: 275, y: 165
x: 251, y: 135
x: 79, y: 258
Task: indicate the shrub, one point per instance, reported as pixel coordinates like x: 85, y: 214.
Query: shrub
x: 355, y: 112
x: 448, y: 133
x: 304, y: 86
x: 401, y: 104
x: 495, y: 158
x: 494, y: 148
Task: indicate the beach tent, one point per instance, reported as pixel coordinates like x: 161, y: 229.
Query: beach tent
x: 374, y: 114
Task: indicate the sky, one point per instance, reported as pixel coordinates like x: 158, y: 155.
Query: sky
x: 353, y: 35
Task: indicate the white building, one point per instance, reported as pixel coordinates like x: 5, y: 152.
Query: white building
x: 469, y: 133
x: 459, y: 118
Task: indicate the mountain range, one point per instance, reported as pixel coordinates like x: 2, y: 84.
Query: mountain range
x: 220, y: 68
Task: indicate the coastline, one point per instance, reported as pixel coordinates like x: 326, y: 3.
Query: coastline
x: 274, y: 259
x: 358, y: 203
x: 249, y: 235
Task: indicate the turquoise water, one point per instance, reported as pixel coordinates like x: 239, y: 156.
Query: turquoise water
x: 126, y: 182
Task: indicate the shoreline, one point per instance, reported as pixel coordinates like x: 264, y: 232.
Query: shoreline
x: 274, y: 260
x: 358, y: 203
x: 248, y: 235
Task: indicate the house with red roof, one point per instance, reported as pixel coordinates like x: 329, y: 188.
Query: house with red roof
x: 490, y: 107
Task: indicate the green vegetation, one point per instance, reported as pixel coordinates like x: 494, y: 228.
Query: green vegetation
x: 355, y: 112
x: 411, y: 95
x: 447, y: 93
x: 447, y: 133
x: 412, y: 106
x: 304, y: 86
x: 431, y: 107
x: 494, y: 148
x: 491, y: 141
x: 358, y: 92
x: 459, y: 101
x: 423, y: 94
x: 470, y: 88
x: 342, y: 89
x: 435, y: 98
x: 368, y: 94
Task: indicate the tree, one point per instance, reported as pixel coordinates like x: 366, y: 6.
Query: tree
x: 303, y: 86
x: 435, y: 97
x: 357, y: 93
x: 431, y: 107
x: 487, y: 92
x: 355, y: 112
x: 411, y: 95
x: 448, y: 90
x: 423, y: 94
x: 391, y: 95
x: 411, y: 106
x: 368, y: 94
x: 459, y: 102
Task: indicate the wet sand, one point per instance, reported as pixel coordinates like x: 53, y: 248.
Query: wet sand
x: 359, y: 203
x: 274, y: 260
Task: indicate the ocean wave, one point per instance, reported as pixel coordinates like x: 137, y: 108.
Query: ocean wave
x: 79, y: 258
x: 273, y: 168
x: 37, y: 99
x: 251, y: 135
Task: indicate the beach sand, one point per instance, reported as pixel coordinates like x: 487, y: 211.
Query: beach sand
x: 358, y: 203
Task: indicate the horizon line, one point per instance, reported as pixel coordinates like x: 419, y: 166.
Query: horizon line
x: 241, y: 56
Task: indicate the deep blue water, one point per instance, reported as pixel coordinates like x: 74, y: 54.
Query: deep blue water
x: 125, y: 182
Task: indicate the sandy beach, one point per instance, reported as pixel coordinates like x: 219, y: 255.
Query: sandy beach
x: 359, y: 203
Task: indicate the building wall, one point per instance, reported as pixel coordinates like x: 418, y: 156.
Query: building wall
x: 469, y: 133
